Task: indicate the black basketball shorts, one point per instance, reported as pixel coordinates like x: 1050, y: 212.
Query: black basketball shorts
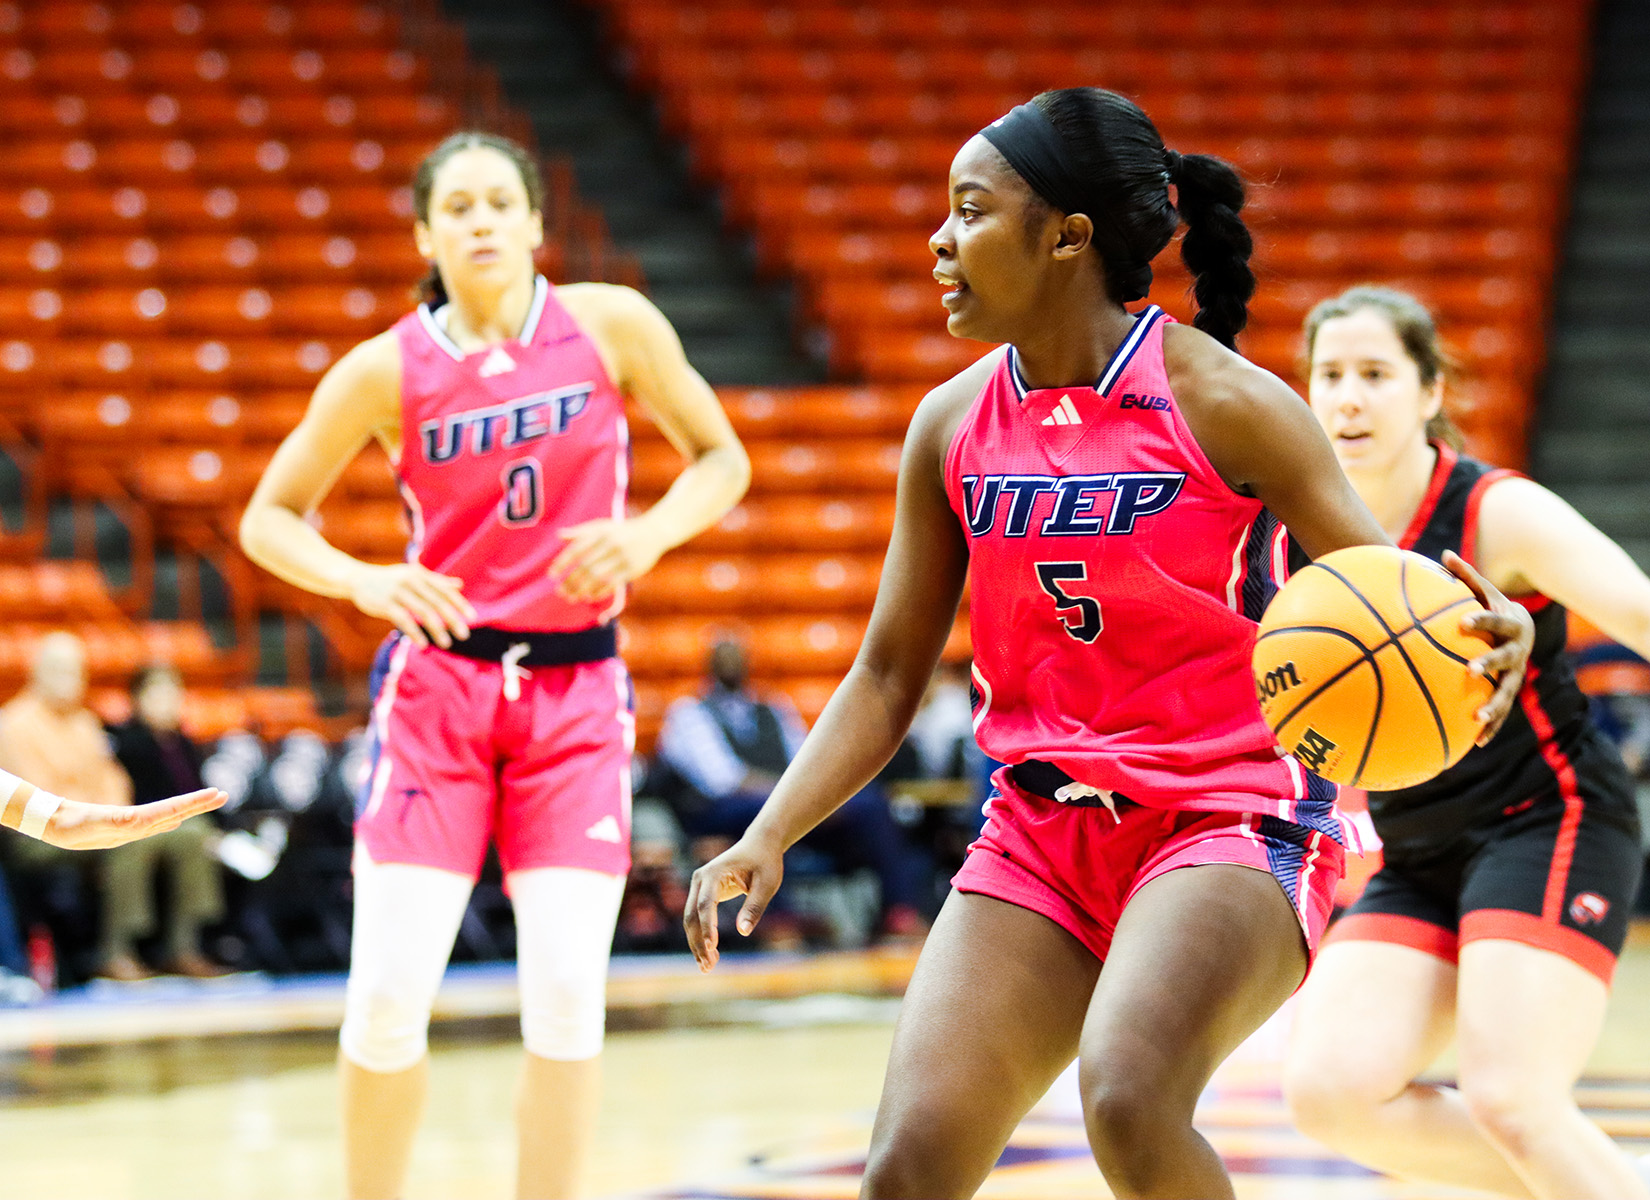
x: 1560, y: 873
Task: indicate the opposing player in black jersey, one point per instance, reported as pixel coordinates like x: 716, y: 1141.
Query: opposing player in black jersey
x: 1508, y: 879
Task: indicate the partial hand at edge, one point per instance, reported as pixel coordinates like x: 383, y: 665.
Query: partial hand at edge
x: 77, y: 825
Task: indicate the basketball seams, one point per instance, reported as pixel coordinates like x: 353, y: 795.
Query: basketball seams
x: 1374, y: 723
x: 1421, y: 628
x: 1365, y: 657
x: 1397, y: 642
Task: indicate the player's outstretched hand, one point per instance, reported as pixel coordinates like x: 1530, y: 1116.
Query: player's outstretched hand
x: 1513, y: 632
x: 80, y: 826
x: 425, y: 606
x: 602, y: 556
x: 752, y: 868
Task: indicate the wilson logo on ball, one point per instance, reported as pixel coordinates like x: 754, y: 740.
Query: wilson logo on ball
x: 1277, y: 681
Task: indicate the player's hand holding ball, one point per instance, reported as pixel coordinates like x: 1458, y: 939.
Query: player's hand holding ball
x: 1378, y: 668
x: 425, y: 606
x: 602, y: 556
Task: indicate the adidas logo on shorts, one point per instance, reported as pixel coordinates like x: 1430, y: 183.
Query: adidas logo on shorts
x: 604, y: 830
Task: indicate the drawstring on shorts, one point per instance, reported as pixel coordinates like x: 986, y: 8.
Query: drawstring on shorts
x: 514, y: 672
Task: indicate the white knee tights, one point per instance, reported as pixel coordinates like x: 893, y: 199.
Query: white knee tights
x: 406, y: 918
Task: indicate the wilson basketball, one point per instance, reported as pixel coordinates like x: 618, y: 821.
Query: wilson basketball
x: 1361, y: 668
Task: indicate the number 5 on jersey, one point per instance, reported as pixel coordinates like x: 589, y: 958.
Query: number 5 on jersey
x: 1085, y: 624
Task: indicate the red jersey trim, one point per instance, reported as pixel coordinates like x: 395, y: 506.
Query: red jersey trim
x: 1558, y: 874
x: 1506, y: 924
x: 1395, y: 930
x: 1535, y: 602
x: 1447, y: 458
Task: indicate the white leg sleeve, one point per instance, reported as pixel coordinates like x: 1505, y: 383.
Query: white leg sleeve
x: 406, y: 918
x: 564, y: 932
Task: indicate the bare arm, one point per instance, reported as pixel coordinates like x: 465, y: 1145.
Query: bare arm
x: 646, y: 360
x: 861, y: 727
x: 360, y: 397
x: 1530, y: 540
x: 76, y: 825
x: 1265, y: 443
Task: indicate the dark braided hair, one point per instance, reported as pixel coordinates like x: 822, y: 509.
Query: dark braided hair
x: 1125, y: 167
x: 432, y: 290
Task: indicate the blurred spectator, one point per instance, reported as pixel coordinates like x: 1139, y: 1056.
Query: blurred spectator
x: 161, y: 760
x: 650, y: 917
x: 727, y: 749
x: 943, y: 729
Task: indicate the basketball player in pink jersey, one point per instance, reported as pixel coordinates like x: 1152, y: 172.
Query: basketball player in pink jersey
x: 1508, y: 879
x: 501, y: 711
x: 1153, y: 873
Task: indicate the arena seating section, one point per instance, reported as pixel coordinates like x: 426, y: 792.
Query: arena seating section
x: 204, y: 203
x: 201, y: 206
x: 1421, y: 143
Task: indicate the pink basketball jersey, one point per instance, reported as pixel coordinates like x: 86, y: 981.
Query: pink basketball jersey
x: 502, y: 447
x: 1116, y: 584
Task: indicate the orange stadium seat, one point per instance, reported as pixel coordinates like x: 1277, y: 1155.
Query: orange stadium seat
x: 693, y: 582
x: 816, y: 645
x: 373, y: 529
x: 803, y: 523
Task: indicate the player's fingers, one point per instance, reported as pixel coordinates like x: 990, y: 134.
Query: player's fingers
x: 579, y: 540
x: 179, y: 809
x: 442, y: 604
x: 426, y: 616
x: 701, y: 913
x: 1468, y: 574
x: 1495, y: 713
x: 452, y: 588
x: 1503, y: 627
x: 403, y: 620
x: 760, y: 893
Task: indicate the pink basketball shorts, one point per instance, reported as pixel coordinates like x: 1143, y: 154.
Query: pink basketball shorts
x: 1080, y: 867
x: 455, y: 762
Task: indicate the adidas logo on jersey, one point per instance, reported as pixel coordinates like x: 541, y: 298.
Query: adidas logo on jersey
x: 605, y: 830
x: 1065, y: 413
x: 497, y: 363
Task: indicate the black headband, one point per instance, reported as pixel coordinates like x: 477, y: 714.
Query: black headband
x: 1036, y: 151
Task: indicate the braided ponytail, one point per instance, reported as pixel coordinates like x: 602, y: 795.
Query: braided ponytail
x: 1217, y: 244
x: 1110, y: 163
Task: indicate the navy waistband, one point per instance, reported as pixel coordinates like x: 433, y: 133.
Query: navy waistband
x: 486, y: 644
x: 1044, y: 779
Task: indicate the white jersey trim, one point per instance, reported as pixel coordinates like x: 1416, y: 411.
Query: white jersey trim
x: 435, y: 323
x: 985, y: 695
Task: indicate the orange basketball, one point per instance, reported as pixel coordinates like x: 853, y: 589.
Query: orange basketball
x: 1362, y: 668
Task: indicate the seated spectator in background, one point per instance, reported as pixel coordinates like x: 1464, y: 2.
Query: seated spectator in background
x: 161, y: 760
x: 942, y: 732
x: 727, y: 749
